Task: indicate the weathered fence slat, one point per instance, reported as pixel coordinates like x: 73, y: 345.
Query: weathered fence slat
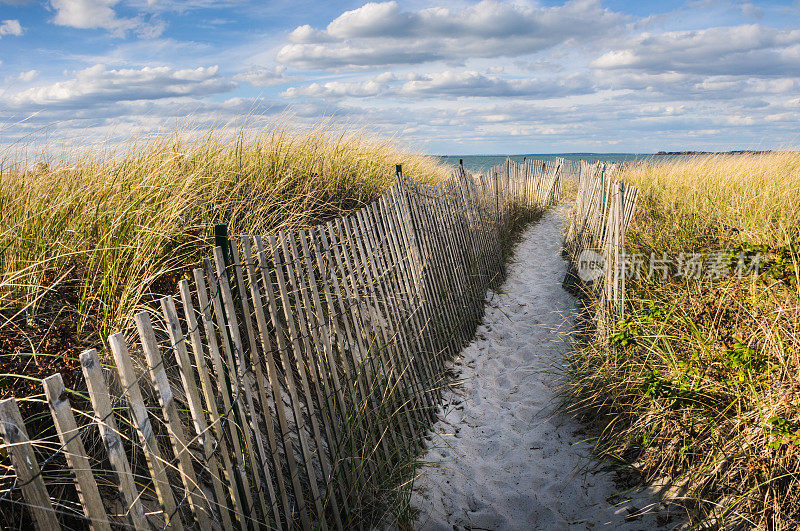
x: 229, y: 376
x: 211, y: 402
x: 251, y: 366
x: 104, y: 418
x: 322, y: 386
x: 230, y: 401
x: 600, y: 218
x: 29, y: 475
x: 266, y: 346
x: 342, y: 332
x: 141, y: 419
x: 266, y: 282
x: 196, y: 410
x: 177, y: 434
x: 74, y: 451
x: 306, y: 364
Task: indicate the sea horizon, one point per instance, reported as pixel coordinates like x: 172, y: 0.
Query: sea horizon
x: 481, y: 163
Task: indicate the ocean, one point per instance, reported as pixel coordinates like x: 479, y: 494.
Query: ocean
x: 480, y: 163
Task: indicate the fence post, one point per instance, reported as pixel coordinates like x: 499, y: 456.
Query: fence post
x: 25, y: 465
x: 497, y: 197
x: 221, y: 240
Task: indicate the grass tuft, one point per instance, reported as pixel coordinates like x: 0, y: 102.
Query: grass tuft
x: 700, y: 384
x: 90, y: 238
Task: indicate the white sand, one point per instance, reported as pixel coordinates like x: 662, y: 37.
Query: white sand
x: 501, y: 456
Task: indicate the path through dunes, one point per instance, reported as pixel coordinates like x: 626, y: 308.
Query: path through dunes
x: 501, y: 456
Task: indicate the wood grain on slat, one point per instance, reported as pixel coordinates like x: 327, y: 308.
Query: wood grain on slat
x: 74, y: 451
x: 243, y: 371
x: 281, y: 408
x: 177, y: 434
x: 253, y: 363
x: 198, y: 415
x: 29, y: 476
x: 133, y: 396
x: 310, y: 455
x: 210, y: 402
x: 231, y: 412
x: 104, y: 417
x: 263, y: 389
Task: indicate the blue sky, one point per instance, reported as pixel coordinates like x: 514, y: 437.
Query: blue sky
x: 450, y: 77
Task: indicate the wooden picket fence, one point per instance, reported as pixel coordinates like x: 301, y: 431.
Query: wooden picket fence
x: 599, y: 221
x: 289, y: 382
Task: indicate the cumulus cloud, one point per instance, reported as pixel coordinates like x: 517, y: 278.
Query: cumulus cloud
x: 338, y: 89
x: 474, y: 84
x: 10, y: 27
x: 448, y: 83
x: 94, y: 14
x: 383, y: 33
x: 307, y: 34
x: 471, y: 74
x: 28, y: 76
x: 98, y: 85
x: 751, y: 49
x: 263, y: 77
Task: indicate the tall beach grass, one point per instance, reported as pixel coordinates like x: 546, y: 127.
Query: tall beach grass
x: 90, y: 237
x: 699, y: 386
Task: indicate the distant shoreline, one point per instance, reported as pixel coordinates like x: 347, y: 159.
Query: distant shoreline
x: 642, y: 155
x: 733, y: 152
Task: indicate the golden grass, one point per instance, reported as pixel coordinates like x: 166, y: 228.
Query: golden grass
x: 700, y: 383
x: 718, y: 199
x: 101, y: 232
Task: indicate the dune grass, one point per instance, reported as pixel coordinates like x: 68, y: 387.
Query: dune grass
x: 700, y: 384
x: 91, y: 237
x: 100, y: 232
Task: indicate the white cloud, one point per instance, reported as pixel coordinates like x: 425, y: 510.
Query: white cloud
x: 751, y: 49
x: 448, y: 83
x: 465, y: 75
x: 474, y: 84
x: 98, y: 85
x: 28, y: 76
x: 10, y: 27
x: 307, y: 34
x: 752, y: 11
x: 100, y: 14
x: 86, y: 14
x: 347, y: 55
x: 373, y: 20
x: 337, y: 89
x: 263, y: 77
x: 383, y: 33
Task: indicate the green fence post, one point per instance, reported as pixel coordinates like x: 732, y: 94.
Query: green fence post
x: 221, y: 240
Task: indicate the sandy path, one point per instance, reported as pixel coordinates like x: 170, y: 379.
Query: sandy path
x: 502, y: 458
